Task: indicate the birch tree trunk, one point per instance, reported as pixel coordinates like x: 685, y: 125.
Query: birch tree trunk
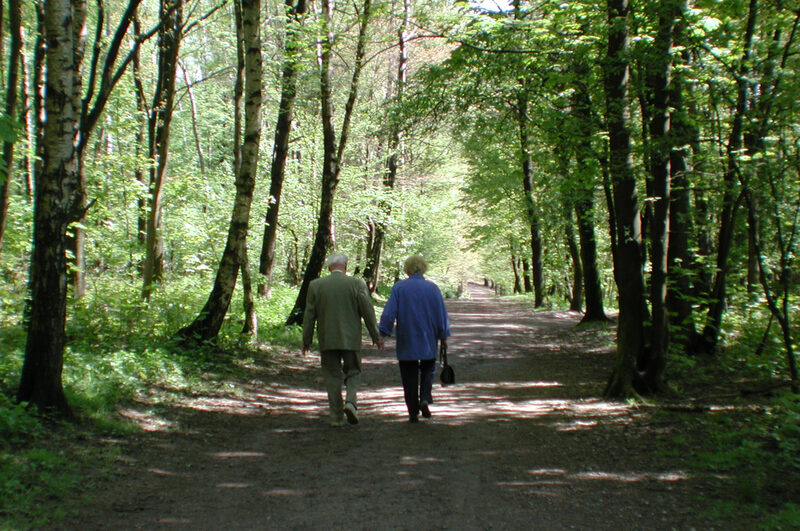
x: 207, y: 325
x: 56, y: 188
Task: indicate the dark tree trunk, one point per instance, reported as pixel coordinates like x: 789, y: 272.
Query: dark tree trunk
x: 15, y: 51
x: 680, y: 259
x: 576, y: 298
x: 141, y: 136
x: 208, y: 323
x: 280, y: 147
x: 169, y: 39
x: 658, y: 91
x: 530, y: 202
x: 730, y: 200
x: 515, y: 269
x: 526, y: 275
x: 628, y: 262
x: 584, y: 199
x: 332, y: 155
x: 56, y: 187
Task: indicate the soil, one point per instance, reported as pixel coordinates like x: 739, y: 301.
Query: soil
x: 523, y: 440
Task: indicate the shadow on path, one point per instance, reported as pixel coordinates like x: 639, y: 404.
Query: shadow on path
x: 522, y: 441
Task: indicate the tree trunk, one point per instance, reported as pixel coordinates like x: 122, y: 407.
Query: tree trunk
x: 141, y: 135
x: 208, y: 323
x: 76, y: 237
x: 730, y: 202
x: 530, y: 201
x: 658, y: 92
x: 169, y: 38
x: 576, y: 298
x: 280, y: 147
x: 56, y: 188
x: 526, y: 275
x: 332, y: 156
x: 584, y: 198
x: 515, y: 269
x: 628, y: 262
x: 679, y: 257
x: 372, y: 266
x: 15, y: 50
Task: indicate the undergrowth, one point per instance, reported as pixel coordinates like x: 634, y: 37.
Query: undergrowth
x: 752, y: 432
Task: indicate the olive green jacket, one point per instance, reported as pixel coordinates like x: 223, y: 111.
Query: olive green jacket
x: 337, y: 303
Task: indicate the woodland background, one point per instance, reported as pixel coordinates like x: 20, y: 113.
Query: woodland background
x: 175, y: 172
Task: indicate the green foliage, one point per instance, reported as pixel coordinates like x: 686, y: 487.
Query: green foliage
x: 33, y: 484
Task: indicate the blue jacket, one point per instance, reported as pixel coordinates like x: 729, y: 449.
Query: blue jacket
x: 418, y: 307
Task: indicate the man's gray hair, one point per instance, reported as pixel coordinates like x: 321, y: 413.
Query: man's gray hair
x: 336, y: 259
x: 415, y: 265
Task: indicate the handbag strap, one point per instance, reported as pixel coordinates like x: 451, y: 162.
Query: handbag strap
x: 443, y: 353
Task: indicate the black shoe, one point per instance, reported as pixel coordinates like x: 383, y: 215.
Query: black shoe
x: 413, y: 419
x: 426, y: 412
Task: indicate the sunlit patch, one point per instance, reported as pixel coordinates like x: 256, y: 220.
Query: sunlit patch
x: 575, y: 425
x: 415, y: 460
x: 234, y: 485
x: 147, y: 421
x: 547, y: 472
x: 512, y: 385
x: 629, y: 477
x: 284, y: 492
x: 160, y: 472
x: 231, y: 455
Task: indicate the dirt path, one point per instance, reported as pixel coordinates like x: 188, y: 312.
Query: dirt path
x: 521, y: 442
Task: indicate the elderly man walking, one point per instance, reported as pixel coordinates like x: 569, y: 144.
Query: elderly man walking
x: 337, y: 303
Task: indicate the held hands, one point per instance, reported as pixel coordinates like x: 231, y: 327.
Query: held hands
x: 380, y: 343
x: 306, y: 348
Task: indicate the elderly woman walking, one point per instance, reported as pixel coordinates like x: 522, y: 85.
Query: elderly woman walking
x: 417, y: 306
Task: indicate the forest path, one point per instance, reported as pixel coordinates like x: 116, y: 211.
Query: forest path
x: 522, y: 441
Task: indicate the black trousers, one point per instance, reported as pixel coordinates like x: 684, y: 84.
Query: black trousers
x: 417, y: 376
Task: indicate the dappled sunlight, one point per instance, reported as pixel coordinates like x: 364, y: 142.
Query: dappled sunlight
x: 237, y: 455
x: 234, y: 486
x: 147, y: 421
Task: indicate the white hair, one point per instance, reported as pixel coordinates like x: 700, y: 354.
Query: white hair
x: 336, y: 259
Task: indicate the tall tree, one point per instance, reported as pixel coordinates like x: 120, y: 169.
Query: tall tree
x: 295, y: 12
x: 332, y: 153
x: 208, y: 323
x: 628, y: 260
x: 56, y: 187
x: 584, y: 193
x: 169, y: 39
x: 658, y: 81
x: 730, y: 202
x: 374, y: 252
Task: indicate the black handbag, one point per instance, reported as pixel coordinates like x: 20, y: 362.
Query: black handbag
x: 448, y: 375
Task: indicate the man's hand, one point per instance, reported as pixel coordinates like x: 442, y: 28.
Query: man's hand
x: 380, y: 343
